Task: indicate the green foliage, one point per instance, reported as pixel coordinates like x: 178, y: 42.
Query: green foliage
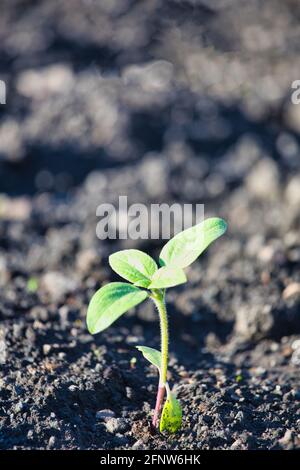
x: 152, y: 355
x: 171, y: 417
x: 110, y: 302
x: 134, y: 266
x: 167, y: 277
x: 186, y: 246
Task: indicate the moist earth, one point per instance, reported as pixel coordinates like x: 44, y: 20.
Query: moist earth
x: 164, y: 101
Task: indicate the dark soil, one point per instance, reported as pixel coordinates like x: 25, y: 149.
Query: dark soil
x: 163, y: 101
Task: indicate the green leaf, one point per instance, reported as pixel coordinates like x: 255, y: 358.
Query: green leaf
x: 134, y: 266
x: 171, y: 417
x: 152, y: 355
x: 167, y: 277
x: 110, y: 302
x: 186, y: 246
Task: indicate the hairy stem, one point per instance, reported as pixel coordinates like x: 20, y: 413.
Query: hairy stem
x: 159, y: 300
x: 159, y: 400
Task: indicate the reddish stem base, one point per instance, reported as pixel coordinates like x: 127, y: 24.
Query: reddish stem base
x: 159, y: 400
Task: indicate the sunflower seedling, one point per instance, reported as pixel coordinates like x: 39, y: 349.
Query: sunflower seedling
x: 147, y: 280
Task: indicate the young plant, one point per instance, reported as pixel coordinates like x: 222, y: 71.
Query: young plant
x: 147, y: 280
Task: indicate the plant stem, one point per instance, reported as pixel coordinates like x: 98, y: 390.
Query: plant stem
x: 159, y: 400
x: 159, y: 300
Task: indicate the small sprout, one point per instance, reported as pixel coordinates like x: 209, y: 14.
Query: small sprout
x: 150, y: 281
x: 239, y: 378
x: 32, y: 285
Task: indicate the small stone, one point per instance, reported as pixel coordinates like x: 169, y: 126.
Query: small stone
x: 291, y: 290
x: 3, y: 351
x: 265, y: 278
x: 18, y: 407
x: 237, y: 445
x: 129, y: 393
x: 292, y: 192
x: 295, y: 359
x: 114, y: 425
x: 57, y: 285
x: 39, y: 313
x: 154, y: 169
x: 239, y: 416
x: 46, y: 81
x: 266, y: 254
x: 273, y: 252
x: 296, y: 344
x: 51, y: 442
x: 263, y: 180
x: 105, y: 414
x: 274, y: 347
x: 46, y: 349
x: 260, y: 370
x: 15, y: 208
x: 277, y: 390
x: 287, y: 438
x: 12, y: 146
x: 63, y: 314
x: 86, y: 259
x: 72, y: 388
x: 254, y: 321
x: 287, y: 351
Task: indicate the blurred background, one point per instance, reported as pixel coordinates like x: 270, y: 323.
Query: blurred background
x: 101, y: 84
x: 163, y: 101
